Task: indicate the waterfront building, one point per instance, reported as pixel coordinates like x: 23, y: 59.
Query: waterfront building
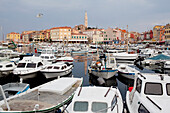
x: 167, y: 32
x: 13, y: 36
x: 91, y: 32
x: 78, y: 38
x: 98, y: 38
x: 109, y: 36
x: 157, y: 32
x: 60, y: 34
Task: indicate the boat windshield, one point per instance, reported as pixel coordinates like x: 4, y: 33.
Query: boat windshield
x: 46, y: 57
x: 168, y: 89
x: 153, y: 88
x: 21, y: 65
x: 80, y: 106
x: 31, y: 65
x: 100, y: 107
x: 0, y: 66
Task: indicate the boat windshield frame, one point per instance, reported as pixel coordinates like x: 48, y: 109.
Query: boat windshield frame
x: 31, y: 65
x: 21, y: 65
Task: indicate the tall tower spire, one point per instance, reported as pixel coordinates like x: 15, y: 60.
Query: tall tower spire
x: 85, y: 20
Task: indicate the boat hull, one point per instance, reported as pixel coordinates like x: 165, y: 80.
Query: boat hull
x: 106, y: 74
x: 28, y: 76
x: 127, y: 75
x: 55, y: 74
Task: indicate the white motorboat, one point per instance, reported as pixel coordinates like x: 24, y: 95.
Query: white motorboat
x: 11, y: 89
x: 124, y: 57
x: 65, y: 59
x: 48, y: 56
x: 6, y: 67
x: 150, y: 94
x: 94, y: 99
x: 46, y: 98
x: 127, y: 71
x: 28, y: 67
x: 104, y: 67
x: 57, y: 69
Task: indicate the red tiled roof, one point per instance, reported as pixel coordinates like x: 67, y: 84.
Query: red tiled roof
x: 66, y: 27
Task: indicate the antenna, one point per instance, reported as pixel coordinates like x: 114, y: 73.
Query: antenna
x: 80, y: 90
x: 107, y: 91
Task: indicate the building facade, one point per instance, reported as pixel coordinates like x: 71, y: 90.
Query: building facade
x: 78, y: 38
x: 60, y: 34
x: 13, y: 37
x: 167, y: 32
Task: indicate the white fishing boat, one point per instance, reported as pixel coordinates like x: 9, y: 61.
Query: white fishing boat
x: 57, y: 69
x: 65, y: 59
x: 11, y: 89
x: 46, y: 98
x: 94, y: 99
x: 150, y: 94
x: 105, y: 67
x: 48, y: 56
x: 127, y: 71
x: 28, y: 67
x: 6, y: 67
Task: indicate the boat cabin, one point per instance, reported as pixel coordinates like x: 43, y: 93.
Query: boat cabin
x: 150, y: 94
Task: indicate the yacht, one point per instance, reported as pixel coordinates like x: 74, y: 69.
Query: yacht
x: 105, y: 67
x: 28, y: 67
x: 57, y: 69
x: 94, y: 99
x: 150, y: 94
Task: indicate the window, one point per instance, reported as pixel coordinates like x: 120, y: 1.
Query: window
x: 85, y: 37
x: 80, y: 106
x: 138, y: 85
x: 21, y: 65
x: 49, y: 67
x: 82, y: 36
x: 42, y: 57
x: 0, y: 66
x: 72, y: 36
x: 51, y: 57
x: 109, y: 38
x: 56, y: 67
x: 31, y: 65
x: 153, y: 88
x: 168, y: 88
x: 9, y: 65
x: 77, y: 37
x: 49, y: 52
x: 99, y: 107
x: 142, y: 109
x: 106, y: 35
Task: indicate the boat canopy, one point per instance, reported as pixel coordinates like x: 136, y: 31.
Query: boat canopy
x: 160, y: 57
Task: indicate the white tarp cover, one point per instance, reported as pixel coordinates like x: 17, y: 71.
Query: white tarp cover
x: 59, y: 86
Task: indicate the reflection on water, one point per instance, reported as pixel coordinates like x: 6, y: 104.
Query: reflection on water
x: 93, y: 80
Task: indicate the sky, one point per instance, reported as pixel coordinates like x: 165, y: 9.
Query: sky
x: 139, y: 15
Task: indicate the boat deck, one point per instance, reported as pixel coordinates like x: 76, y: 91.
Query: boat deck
x: 28, y: 101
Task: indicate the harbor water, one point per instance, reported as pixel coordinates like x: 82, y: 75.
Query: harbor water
x: 81, y: 63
